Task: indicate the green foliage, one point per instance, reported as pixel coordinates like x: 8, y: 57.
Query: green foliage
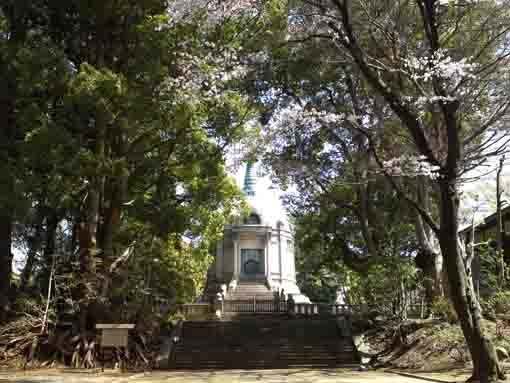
x: 382, y: 282
x: 379, y: 283
x: 498, y: 303
x: 325, y: 267
x: 487, y: 306
x: 488, y: 267
x: 122, y: 131
x: 442, y: 308
x: 174, y: 318
x: 501, y: 302
x: 501, y: 341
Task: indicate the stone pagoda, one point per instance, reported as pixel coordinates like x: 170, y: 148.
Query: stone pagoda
x: 251, y: 327
x: 256, y: 257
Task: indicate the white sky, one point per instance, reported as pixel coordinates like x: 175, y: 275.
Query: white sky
x: 481, y: 194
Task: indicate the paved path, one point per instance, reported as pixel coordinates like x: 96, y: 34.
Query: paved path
x: 231, y: 376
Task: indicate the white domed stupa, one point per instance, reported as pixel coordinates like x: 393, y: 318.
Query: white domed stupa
x: 256, y: 257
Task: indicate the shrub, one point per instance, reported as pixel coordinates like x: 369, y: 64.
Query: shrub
x: 488, y: 311
x: 175, y: 317
x: 441, y: 308
x: 501, y: 302
x: 498, y: 303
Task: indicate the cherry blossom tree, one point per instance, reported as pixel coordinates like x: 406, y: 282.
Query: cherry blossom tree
x: 439, y: 68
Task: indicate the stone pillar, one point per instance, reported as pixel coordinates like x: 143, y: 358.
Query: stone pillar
x: 219, y: 261
x: 268, y: 255
x: 292, y: 259
x: 236, y: 257
x: 280, y: 263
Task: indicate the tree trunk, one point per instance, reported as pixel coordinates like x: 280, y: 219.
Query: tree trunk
x: 8, y: 156
x: 111, y: 222
x: 49, y: 252
x: 34, y: 243
x: 89, y: 228
x: 485, y: 361
x: 429, y: 258
x: 363, y: 170
x: 115, y: 194
x: 499, y: 230
x: 5, y: 265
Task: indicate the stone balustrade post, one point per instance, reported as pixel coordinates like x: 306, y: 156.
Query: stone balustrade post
x: 218, y: 306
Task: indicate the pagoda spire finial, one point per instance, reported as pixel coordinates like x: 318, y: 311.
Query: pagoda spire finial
x: 249, y: 179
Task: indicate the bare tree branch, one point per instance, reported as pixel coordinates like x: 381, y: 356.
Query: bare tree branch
x: 349, y: 41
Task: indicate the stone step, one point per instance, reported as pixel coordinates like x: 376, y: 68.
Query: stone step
x: 314, y: 331
x: 262, y: 343
x: 249, y: 290
x: 281, y: 350
x: 269, y: 366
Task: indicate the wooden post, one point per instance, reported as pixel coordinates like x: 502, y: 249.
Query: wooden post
x: 48, y: 298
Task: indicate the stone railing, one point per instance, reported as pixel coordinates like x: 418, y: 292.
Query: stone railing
x: 253, y: 306
x: 202, y: 311
x: 325, y: 309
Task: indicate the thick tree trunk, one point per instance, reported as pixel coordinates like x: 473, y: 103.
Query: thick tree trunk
x: 7, y: 134
x: 115, y: 194
x: 8, y: 154
x: 110, y: 226
x: 499, y: 230
x: 485, y: 361
x: 430, y: 261
x: 363, y: 171
x: 89, y: 229
x: 5, y: 265
x: 430, y: 258
x: 34, y: 243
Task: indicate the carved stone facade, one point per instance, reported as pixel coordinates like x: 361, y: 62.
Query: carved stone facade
x: 259, y: 249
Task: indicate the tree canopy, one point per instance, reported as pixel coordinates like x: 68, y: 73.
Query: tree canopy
x: 119, y: 121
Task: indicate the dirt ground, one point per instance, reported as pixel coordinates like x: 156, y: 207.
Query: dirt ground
x: 234, y: 376
x: 436, y: 349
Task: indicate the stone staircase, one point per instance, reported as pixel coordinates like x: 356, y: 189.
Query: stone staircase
x: 250, y: 290
x: 262, y: 343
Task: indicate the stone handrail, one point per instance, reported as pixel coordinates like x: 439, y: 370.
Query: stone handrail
x: 310, y: 309
x: 254, y: 306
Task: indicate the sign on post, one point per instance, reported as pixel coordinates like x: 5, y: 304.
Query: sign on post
x: 114, y: 335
